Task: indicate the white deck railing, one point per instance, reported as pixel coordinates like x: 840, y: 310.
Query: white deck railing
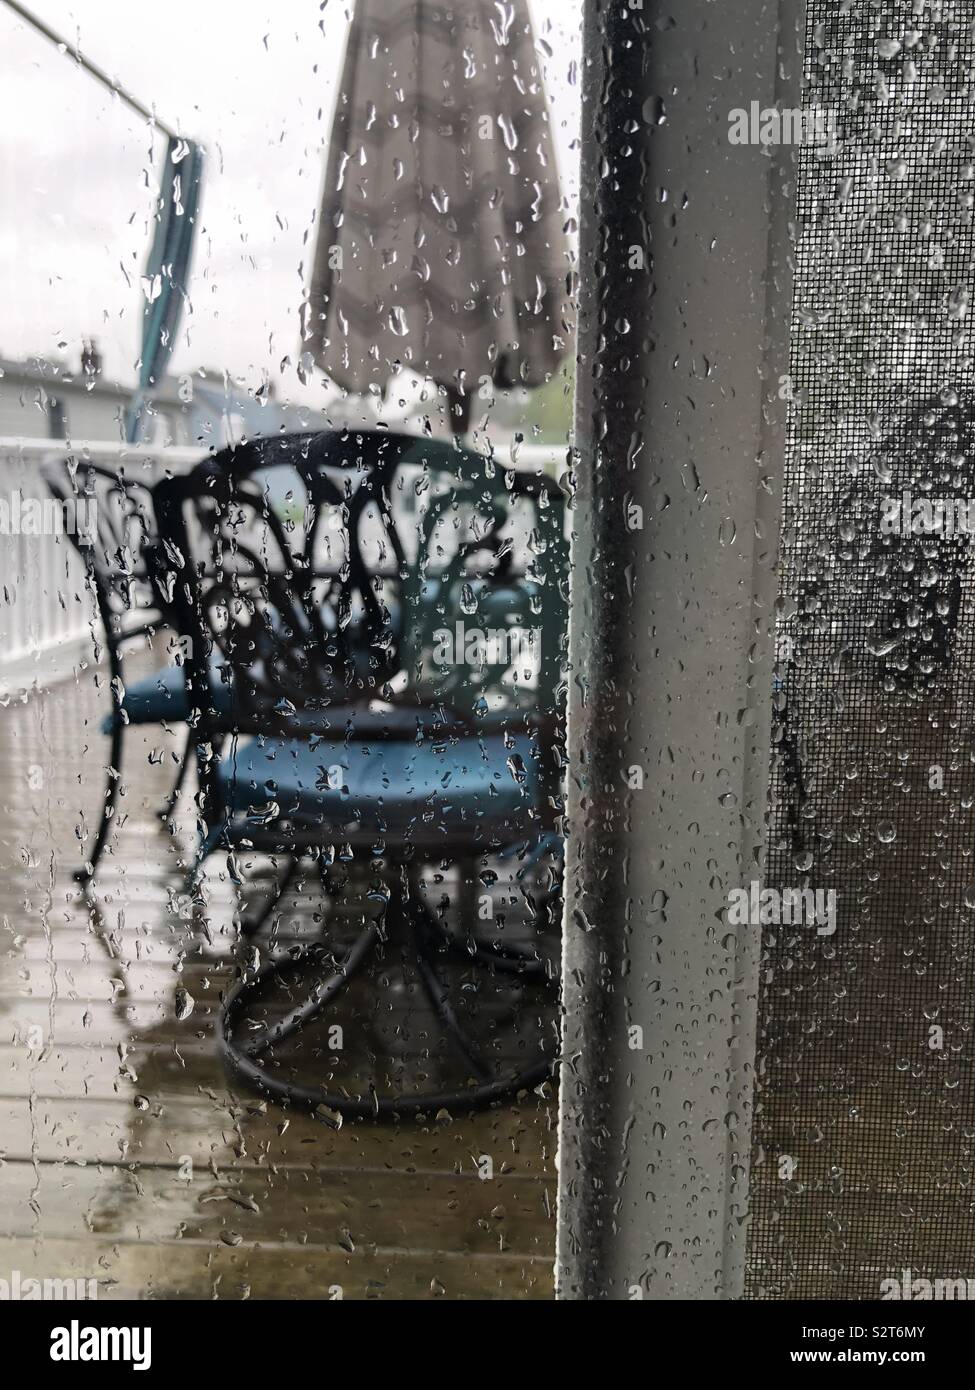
x: 46, y: 612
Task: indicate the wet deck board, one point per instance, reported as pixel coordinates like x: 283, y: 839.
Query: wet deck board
x: 105, y: 1094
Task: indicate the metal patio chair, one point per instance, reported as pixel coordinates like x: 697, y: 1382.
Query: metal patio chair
x: 129, y: 609
x: 325, y: 580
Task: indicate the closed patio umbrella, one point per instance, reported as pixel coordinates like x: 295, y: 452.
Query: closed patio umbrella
x: 441, y: 245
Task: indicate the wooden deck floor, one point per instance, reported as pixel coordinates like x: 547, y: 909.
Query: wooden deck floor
x: 125, y: 1155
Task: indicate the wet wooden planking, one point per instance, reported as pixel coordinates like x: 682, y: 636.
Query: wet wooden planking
x: 126, y: 1154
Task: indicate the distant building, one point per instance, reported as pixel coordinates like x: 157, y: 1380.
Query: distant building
x: 48, y: 399
x: 45, y: 399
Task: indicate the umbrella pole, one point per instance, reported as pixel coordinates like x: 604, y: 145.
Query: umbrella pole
x: 680, y: 436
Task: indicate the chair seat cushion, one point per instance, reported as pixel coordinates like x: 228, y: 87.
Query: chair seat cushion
x: 162, y: 696
x: 399, y: 788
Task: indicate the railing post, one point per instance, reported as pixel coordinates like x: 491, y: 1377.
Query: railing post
x: 684, y: 305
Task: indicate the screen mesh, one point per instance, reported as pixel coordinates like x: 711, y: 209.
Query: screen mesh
x: 865, y: 1111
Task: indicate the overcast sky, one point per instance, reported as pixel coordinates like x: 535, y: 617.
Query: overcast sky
x: 256, y: 82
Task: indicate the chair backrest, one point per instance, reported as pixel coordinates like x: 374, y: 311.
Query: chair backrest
x: 118, y: 539
x: 257, y: 557
x: 485, y: 584
x: 321, y: 571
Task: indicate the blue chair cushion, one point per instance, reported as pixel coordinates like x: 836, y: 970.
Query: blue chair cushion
x: 162, y: 696
x: 471, y: 786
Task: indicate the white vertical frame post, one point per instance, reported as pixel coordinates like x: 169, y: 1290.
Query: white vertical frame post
x: 685, y: 299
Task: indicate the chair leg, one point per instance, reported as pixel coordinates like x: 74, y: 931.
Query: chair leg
x: 244, y: 1058
x: 211, y: 815
x: 406, y: 924
x: 252, y: 925
x: 204, y: 849
x: 86, y: 872
x: 167, y: 811
x: 497, y: 954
